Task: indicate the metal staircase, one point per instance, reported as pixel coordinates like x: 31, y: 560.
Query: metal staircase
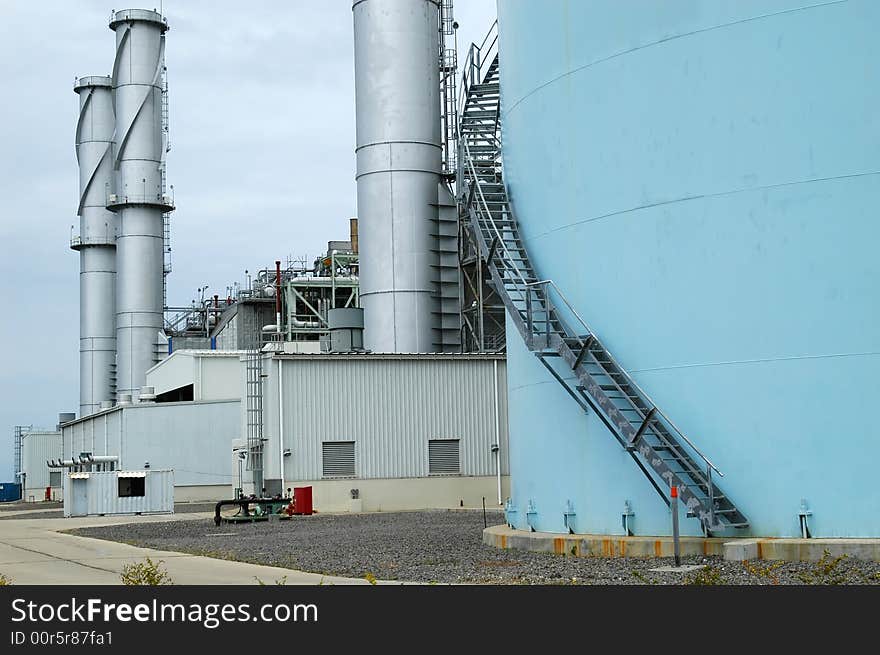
x: 552, y: 329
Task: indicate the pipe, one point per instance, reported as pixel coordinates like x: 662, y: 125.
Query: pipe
x: 60, y: 463
x: 281, y: 424
x: 278, y: 296
x: 305, y: 324
x: 98, y: 459
x: 353, y: 234
x: 497, y: 431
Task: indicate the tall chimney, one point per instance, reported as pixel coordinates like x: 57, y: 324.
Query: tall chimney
x: 140, y: 201
x: 397, y: 97
x: 96, y: 243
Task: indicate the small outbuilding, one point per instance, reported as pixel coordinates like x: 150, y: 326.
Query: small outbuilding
x: 90, y: 493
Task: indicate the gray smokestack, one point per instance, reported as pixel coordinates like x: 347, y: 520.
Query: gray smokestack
x: 397, y: 89
x: 140, y: 201
x: 96, y: 243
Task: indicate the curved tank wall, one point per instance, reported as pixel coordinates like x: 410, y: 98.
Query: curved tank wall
x: 702, y: 179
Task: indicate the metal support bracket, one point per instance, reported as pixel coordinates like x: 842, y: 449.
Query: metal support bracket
x: 492, y: 249
x: 642, y: 428
x: 568, y: 517
x: 583, y: 352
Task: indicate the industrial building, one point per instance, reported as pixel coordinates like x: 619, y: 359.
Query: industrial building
x: 191, y: 438
x: 607, y: 255
x: 38, y: 481
x: 392, y: 431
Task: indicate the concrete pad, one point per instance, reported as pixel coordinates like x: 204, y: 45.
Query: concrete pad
x: 684, y: 568
x: 804, y: 550
x: 585, y: 545
x: 35, y: 552
x: 734, y: 550
x: 741, y: 550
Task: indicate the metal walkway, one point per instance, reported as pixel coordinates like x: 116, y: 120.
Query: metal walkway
x: 552, y: 329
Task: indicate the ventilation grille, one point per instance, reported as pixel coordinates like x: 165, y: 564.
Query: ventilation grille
x: 338, y: 459
x: 443, y: 457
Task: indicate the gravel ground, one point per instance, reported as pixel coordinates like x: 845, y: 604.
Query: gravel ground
x: 446, y: 547
x: 187, y: 508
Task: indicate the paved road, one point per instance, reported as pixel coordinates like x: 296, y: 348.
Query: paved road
x: 34, y: 552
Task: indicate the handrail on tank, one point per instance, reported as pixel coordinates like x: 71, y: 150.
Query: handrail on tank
x: 657, y: 410
x: 550, y: 283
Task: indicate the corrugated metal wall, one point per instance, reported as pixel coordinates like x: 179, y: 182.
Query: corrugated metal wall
x: 101, y: 495
x: 99, y: 434
x: 192, y: 438
x: 391, y: 407
x: 36, y: 448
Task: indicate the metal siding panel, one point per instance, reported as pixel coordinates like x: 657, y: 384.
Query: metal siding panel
x: 37, y: 447
x: 193, y: 439
x: 103, y: 493
x: 391, y: 408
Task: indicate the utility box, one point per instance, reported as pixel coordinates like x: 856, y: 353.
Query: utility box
x: 302, y: 500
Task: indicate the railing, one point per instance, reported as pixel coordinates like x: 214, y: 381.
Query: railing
x: 472, y: 70
x: 160, y: 199
x: 77, y: 241
x: 475, y: 189
x: 545, y: 286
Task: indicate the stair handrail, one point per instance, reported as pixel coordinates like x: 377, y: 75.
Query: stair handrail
x: 488, y: 214
x: 472, y: 69
x: 629, y: 379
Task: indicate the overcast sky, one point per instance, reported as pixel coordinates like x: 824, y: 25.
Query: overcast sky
x: 262, y: 161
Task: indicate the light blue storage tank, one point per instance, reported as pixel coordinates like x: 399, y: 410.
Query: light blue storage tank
x: 702, y: 179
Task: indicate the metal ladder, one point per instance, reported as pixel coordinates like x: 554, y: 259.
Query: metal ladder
x: 18, y: 433
x: 166, y: 216
x: 553, y: 330
x: 254, y: 408
x: 448, y: 62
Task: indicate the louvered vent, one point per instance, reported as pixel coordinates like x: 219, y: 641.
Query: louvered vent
x: 338, y: 459
x: 443, y: 456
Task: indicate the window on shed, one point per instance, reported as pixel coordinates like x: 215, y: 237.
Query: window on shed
x: 443, y: 456
x: 54, y: 478
x: 338, y: 459
x: 131, y: 487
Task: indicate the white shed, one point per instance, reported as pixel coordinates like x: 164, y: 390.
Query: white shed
x: 119, y: 492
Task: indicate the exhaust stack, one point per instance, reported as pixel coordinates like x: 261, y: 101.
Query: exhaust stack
x: 96, y: 243
x: 397, y: 92
x: 139, y: 200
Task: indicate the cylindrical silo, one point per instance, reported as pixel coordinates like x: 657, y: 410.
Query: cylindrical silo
x: 139, y: 195
x: 701, y: 179
x: 96, y: 243
x: 397, y: 89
